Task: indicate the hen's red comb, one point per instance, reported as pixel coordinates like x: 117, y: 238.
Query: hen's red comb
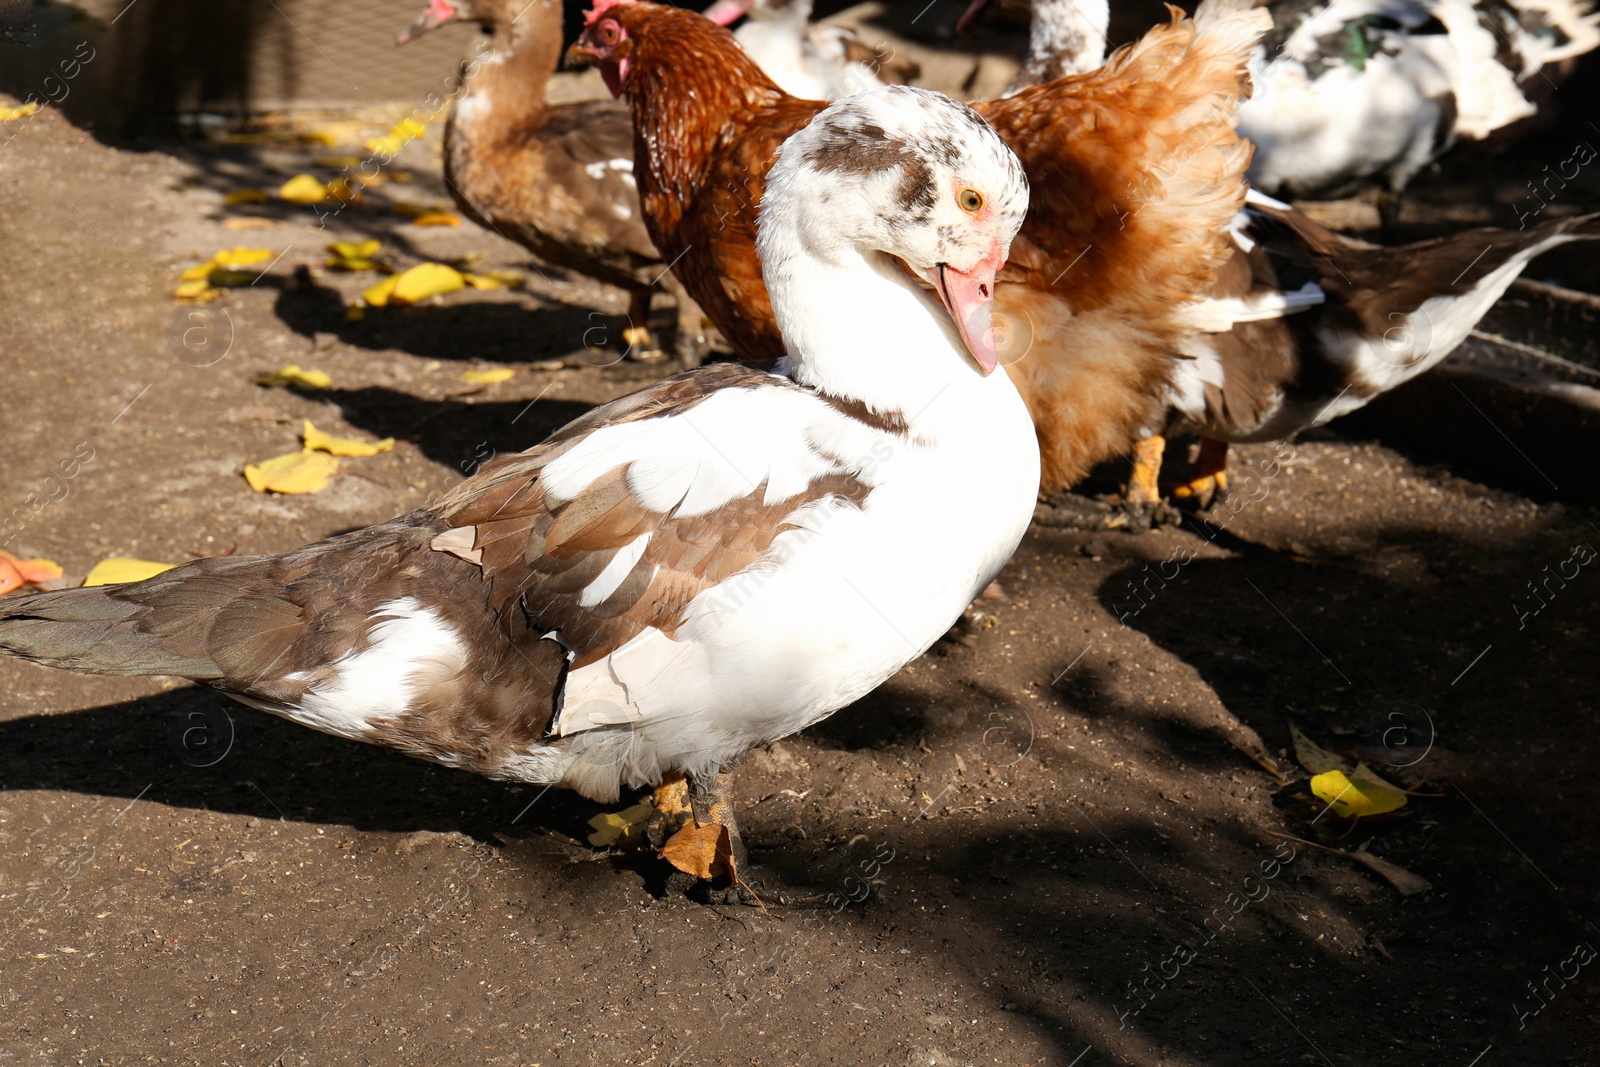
x: 592, y: 16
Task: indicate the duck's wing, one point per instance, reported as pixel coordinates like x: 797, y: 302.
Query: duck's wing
x: 628, y: 514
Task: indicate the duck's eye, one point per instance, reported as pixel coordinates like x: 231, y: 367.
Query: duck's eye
x: 971, y: 200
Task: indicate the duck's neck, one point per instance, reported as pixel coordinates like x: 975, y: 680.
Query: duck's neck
x: 504, y: 94
x: 860, y: 330
x: 1066, y: 37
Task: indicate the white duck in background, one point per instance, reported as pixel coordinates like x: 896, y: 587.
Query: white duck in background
x: 810, y: 60
x: 707, y: 565
x: 1356, y: 92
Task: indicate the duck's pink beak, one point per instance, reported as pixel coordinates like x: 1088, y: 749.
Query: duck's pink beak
x: 727, y: 12
x: 437, y: 14
x: 969, y: 297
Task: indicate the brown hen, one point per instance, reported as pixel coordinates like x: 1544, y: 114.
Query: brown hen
x: 1135, y: 170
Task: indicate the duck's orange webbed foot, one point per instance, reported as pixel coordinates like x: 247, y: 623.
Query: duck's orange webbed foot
x: 1209, y: 482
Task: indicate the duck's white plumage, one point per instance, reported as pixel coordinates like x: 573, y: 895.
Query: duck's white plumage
x: 1356, y: 91
x: 809, y: 60
x: 712, y: 563
x: 1350, y: 92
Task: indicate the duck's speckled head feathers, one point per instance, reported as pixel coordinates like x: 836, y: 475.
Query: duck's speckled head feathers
x: 894, y: 170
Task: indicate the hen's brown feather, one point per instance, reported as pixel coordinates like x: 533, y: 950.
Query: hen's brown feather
x: 1135, y: 172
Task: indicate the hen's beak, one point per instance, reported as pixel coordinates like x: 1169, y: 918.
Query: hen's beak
x: 964, y: 26
x: 727, y: 12
x: 437, y: 14
x: 968, y: 297
x: 613, y: 69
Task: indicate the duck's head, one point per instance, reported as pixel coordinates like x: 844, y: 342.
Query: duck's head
x: 490, y: 14
x: 908, y: 175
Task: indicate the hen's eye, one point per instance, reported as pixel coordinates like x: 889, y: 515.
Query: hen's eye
x: 971, y: 201
x: 608, y: 33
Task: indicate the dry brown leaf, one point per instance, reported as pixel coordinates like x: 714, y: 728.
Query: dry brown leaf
x: 703, y: 851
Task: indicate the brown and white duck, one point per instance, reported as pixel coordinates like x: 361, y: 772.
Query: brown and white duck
x: 1307, y: 325
x: 707, y: 565
x: 557, y: 180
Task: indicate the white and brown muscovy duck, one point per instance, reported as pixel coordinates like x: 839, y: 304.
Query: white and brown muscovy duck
x: 709, y: 564
x: 810, y: 60
x: 1308, y: 325
x: 557, y: 180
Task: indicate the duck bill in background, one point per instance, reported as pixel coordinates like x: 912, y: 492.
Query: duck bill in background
x: 968, y: 18
x: 437, y: 13
x: 727, y: 12
x: 968, y: 296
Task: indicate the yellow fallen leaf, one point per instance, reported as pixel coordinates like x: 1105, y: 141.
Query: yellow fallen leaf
x: 15, y: 572
x: 320, y: 441
x: 303, y: 189
x: 354, y: 313
x: 407, y: 210
x: 36, y: 569
x: 355, y: 249
x: 355, y: 255
x: 415, y: 285
x: 230, y: 278
x: 196, y: 289
x: 437, y: 218
x: 21, y: 111
x: 620, y: 828
x: 1312, y: 756
x: 294, y: 472
x: 1359, y: 793
x: 246, y: 196
x: 341, y: 189
x: 407, y: 130
x: 488, y: 377
x: 327, y: 137
x: 293, y: 376
x: 248, y: 222
x: 239, y: 257
x: 495, y: 279
x: 336, y: 162
x: 378, y: 295
x: 120, y: 569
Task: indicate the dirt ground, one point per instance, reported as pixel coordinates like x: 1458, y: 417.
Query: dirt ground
x: 1066, y: 851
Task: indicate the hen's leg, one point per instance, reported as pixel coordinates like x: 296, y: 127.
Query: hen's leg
x: 1209, y: 483
x: 637, y: 341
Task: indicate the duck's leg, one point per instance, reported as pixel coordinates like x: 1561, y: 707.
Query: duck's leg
x: 671, y: 801
x: 637, y: 341
x: 708, y: 846
x: 1209, y: 482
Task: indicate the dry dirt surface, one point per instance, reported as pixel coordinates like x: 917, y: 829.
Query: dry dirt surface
x: 1051, y: 840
